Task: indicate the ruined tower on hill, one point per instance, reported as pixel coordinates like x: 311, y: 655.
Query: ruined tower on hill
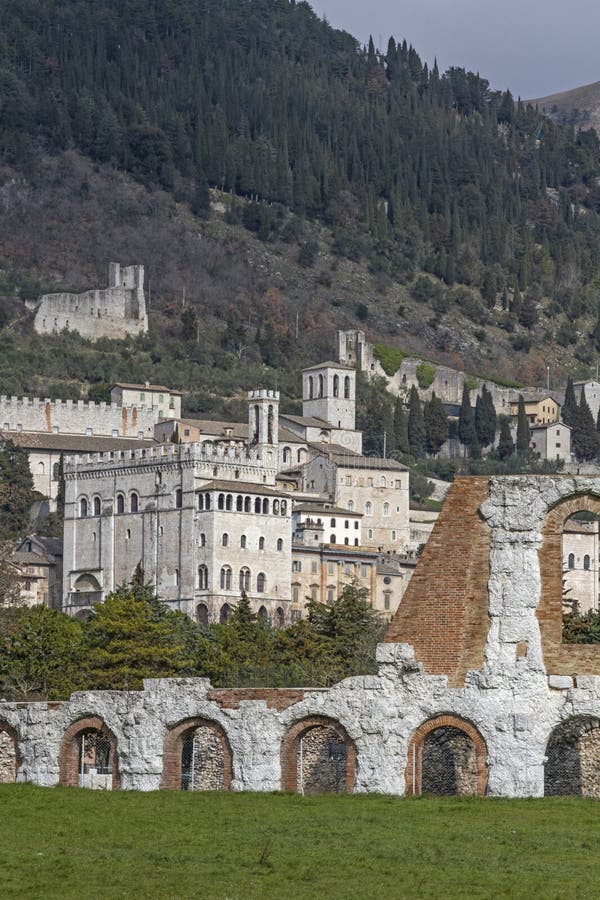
x: 113, y: 312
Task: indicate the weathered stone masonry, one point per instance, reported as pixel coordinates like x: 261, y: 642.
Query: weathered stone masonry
x: 487, y: 699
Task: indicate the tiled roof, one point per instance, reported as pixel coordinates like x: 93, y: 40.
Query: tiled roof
x: 78, y: 443
x: 329, y: 364
x: 147, y: 387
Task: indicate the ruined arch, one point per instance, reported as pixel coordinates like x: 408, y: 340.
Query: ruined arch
x: 318, y: 756
x: 69, y: 758
x: 447, y: 755
x: 572, y: 766
x: 561, y: 658
x: 211, y: 770
x: 10, y: 760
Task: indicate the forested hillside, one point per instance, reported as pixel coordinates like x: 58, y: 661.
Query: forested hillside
x: 457, y: 221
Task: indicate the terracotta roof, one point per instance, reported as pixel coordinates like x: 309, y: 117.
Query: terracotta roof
x: 308, y: 421
x: 239, y: 430
x: 78, y: 443
x: 347, y: 459
x: 147, y: 387
x: 326, y: 510
x: 243, y: 487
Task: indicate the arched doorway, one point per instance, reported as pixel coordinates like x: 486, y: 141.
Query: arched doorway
x: 88, y: 756
x: 447, y: 756
x: 9, y: 761
x: 318, y: 757
x: 573, y: 759
x: 197, y: 757
x: 202, y: 614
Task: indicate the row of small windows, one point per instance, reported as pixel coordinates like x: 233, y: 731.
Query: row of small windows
x: 319, y: 386
x: 96, y: 507
x: 226, y: 611
x: 243, y: 542
x: 226, y: 579
x: 349, y: 568
x: 261, y: 506
x: 346, y: 523
x: 586, y: 561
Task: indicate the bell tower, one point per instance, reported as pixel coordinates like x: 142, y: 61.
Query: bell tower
x: 263, y: 418
x: 329, y: 393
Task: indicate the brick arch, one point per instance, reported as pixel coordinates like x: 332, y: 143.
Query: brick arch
x: 290, y: 744
x: 572, y: 763
x: 414, y: 767
x: 68, y: 758
x: 173, y: 745
x: 12, y: 734
x: 559, y: 658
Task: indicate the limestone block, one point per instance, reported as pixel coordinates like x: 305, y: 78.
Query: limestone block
x: 560, y: 682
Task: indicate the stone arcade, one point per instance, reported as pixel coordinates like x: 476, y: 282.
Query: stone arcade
x: 475, y: 692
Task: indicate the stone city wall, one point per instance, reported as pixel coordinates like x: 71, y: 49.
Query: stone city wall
x: 76, y: 417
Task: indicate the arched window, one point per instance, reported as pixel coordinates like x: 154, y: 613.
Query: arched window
x: 301, y: 455
x: 386, y: 509
x: 221, y: 501
x: 321, y: 383
x: 275, y: 507
x: 287, y: 455
x: 97, y: 506
x: 200, y: 502
x: 368, y: 508
x: 256, y: 434
x: 332, y: 523
x: 284, y: 507
x: 226, y: 578
x: 280, y: 544
x: 243, y: 542
x: 571, y: 560
x: 279, y: 617
x: 261, y: 543
x: 347, y: 387
x: 229, y: 502
x: 351, y: 505
x: 245, y: 579
x: 332, y: 538
x: 257, y: 505
x: 83, y: 507
x: 207, y: 501
x: 178, y: 498
x: 382, y: 481
x: 41, y: 468
x: 133, y: 503
x: 265, y: 507
x: 261, y: 583
x: 176, y: 577
x: 586, y: 562
x: 270, y: 422
x: 202, y: 614
x: 311, y: 387
x: 202, y: 578
x: 336, y: 386
x: 203, y: 540
x: 262, y: 614
x: 247, y: 504
x: 225, y: 613
x: 55, y: 471
x: 239, y: 503
x: 120, y: 503
x: 225, y: 540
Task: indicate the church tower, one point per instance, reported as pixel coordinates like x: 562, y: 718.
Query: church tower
x: 263, y: 418
x: 329, y: 393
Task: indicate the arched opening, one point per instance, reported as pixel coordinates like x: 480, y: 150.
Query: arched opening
x: 265, y: 507
x: 83, y: 614
x: 256, y: 434
x: 447, y: 756
x: 88, y: 756
x: 257, y: 505
x: 270, y: 422
x: 97, y: 506
x: 243, y: 542
x: 202, y: 614
x: 133, y: 503
x: 321, y: 385
x: 247, y: 504
x: 279, y: 617
x: 239, y: 503
x: 229, y: 502
x: 573, y: 759
x: 87, y: 583
x: 261, y: 543
x: 178, y: 498
x: 9, y: 760
x: 261, y: 583
x: 336, y: 385
x: 580, y: 555
x: 83, y: 507
x: 287, y: 455
x: 244, y: 579
x: 347, y: 387
x: 120, y: 504
x: 221, y: 501
x: 226, y: 578
x: 197, y: 757
x: 202, y: 578
x: 311, y: 387
x: 262, y: 614
x: 224, y: 614
x: 318, y: 757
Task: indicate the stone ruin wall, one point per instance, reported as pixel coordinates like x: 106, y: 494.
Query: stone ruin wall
x: 76, y: 417
x: 487, y: 662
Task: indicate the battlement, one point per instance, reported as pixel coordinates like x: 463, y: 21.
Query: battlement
x: 166, y: 453
x: 76, y: 417
x: 263, y: 395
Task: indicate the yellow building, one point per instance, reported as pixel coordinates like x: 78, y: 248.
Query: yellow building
x: 541, y: 409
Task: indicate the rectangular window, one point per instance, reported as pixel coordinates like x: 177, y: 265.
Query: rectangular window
x: 364, y: 570
x: 330, y: 595
x: 296, y: 565
x: 348, y: 569
x: 330, y: 568
x: 348, y: 479
x: 142, y: 398
x: 295, y: 596
x: 314, y: 567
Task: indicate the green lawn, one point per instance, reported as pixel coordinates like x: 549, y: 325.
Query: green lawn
x: 71, y: 843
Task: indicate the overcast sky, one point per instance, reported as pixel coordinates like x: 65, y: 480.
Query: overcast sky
x: 533, y: 47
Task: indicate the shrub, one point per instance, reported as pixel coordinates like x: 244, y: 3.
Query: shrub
x: 425, y: 375
x: 389, y: 357
x: 307, y: 254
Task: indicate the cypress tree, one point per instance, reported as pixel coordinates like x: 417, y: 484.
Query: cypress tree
x: 523, y: 430
x: 569, y: 410
x: 466, y: 425
x: 436, y: 424
x: 416, y: 425
x: 485, y: 418
x: 400, y: 427
x: 506, y: 445
x: 584, y: 437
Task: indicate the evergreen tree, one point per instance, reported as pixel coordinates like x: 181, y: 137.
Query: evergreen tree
x: 436, y: 424
x: 569, y: 410
x: 584, y: 437
x: 16, y: 490
x: 400, y: 427
x: 523, y: 430
x: 416, y: 424
x: 485, y: 418
x: 506, y: 445
x: 466, y: 425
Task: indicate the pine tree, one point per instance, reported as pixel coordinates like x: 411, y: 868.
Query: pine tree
x: 436, y: 424
x: 506, y: 445
x: 416, y: 425
x: 569, y: 410
x: 584, y: 437
x: 485, y: 418
x: 466, y: 425
x: 523, y: 430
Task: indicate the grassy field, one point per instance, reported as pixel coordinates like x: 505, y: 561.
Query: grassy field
x: 70, y: 843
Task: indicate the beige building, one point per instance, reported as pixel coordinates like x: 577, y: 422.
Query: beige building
x: 153, y: 396
x: 580, y: 551
x: 38, y: 559
x: 551, y: 441
x: 541, y: 409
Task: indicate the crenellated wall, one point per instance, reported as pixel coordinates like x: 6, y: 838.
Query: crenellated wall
x: 76, y: 417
